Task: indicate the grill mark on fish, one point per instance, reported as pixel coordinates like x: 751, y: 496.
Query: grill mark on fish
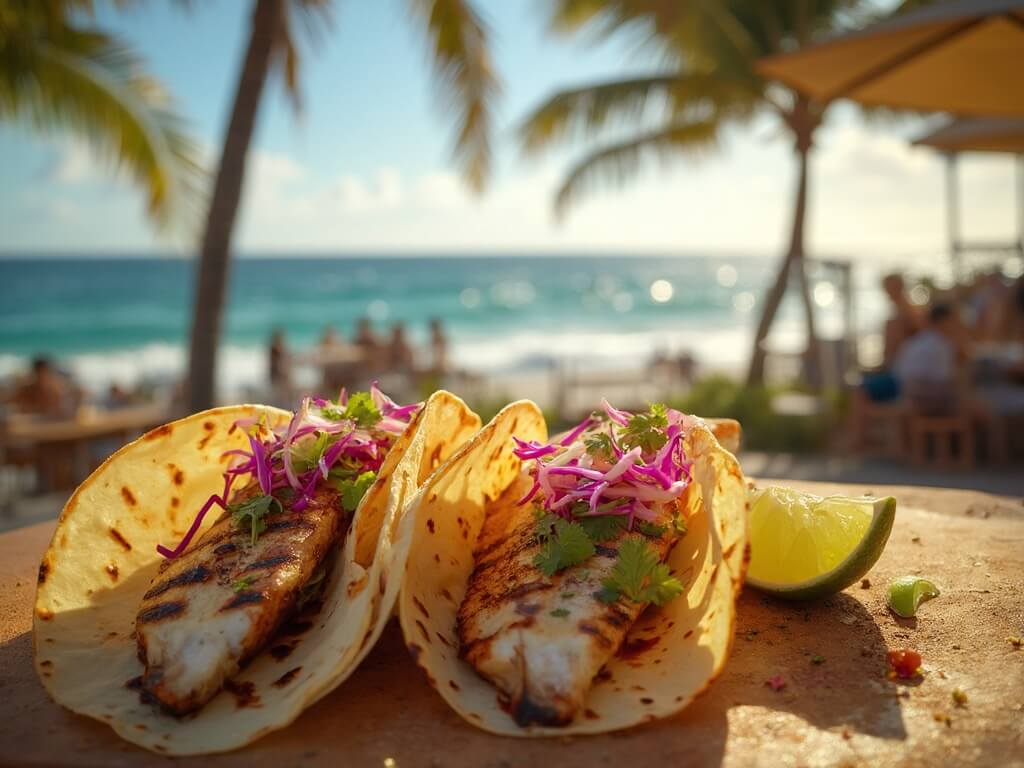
x: 602, y: 551
x: 288, y: 524
x: 224, y: 549
x: 591, y: 629
x: 269, y: 562
x: 197, y: 575
x: 160, y: 612
x: 243, y: 599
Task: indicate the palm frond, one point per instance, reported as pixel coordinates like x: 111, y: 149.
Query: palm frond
x: 587, y: 111
x: 315, y: 17
x: 59, y: 78
x: 458, y: 40
x: 618, y: 163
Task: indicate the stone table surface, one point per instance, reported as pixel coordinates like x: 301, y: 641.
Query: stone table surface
x: 842, y: 711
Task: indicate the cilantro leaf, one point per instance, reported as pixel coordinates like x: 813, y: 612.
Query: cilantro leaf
x: 639, y: 576
x: 354, y: 488
x: 653, y: 530
x: 602, y: 527
x: 362, y: 410
x: 568, y: 545
x: 560, y: 613
x: 646, y: 430
x: 599, y: 446
x: 251, y: 513
x: 239, y: 585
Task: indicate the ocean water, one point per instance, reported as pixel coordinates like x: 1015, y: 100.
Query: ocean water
x: 127, y: 320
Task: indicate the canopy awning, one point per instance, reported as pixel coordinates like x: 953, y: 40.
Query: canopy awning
x: 965, y: 57
x: 977, y: 135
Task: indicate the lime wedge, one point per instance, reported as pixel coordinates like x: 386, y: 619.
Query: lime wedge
x: 805, y: 546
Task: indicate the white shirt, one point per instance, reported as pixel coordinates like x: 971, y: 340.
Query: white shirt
x: 926, y: 356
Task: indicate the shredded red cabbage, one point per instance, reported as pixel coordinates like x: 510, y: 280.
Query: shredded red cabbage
x: 625, y: 483
x: 320, y: 435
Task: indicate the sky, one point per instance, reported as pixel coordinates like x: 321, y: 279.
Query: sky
x: 366, y: 167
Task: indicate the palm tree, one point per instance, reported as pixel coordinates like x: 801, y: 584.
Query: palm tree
x: 710, y: 81
x: 458, y: 41
x: 58, y: 74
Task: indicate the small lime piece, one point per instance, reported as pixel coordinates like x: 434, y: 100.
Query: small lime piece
x: 804, y: 546
x: 907, y: 593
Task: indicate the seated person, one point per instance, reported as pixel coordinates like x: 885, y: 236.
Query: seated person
x: 45, y: 392
x: 928, y: 365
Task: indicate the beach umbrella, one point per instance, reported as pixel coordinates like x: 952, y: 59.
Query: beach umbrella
x: 977, y: 135
x: 965, y: 57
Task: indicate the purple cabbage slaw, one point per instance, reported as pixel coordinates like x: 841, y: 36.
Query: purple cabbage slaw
x: 627, y: 483
x: 271, y: 459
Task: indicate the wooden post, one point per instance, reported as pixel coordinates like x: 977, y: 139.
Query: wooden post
x: 953, y: 214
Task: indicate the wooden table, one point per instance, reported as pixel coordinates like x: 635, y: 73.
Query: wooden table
x: 839, y: 712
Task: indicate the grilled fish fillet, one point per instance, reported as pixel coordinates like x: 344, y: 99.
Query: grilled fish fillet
x: 216, y: 605
x: 542, y: 664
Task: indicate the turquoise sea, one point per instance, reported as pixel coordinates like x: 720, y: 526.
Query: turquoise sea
x: 127, y: 319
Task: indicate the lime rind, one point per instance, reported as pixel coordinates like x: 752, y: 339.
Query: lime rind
x: 850, y: 569
x: 907, y: 593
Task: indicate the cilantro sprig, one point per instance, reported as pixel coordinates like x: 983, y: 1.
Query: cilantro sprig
x: 353, y: 488
x: 646, y: 430
x: 640, y: 576
x: 250, y: 513
x: 563, y: 544
x: 360, y: 408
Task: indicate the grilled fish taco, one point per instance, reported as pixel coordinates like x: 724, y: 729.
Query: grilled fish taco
x: 215, y: 577
x: 578, y: 586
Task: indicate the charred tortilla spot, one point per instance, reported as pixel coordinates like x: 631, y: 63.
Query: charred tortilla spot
x: 112, y: 571
x: 179, y: 477
x: 282, y: 651
x: 437, y: 558
x: 203, y: 441
x: 244, y: 693
x: 243, y: 599
x: 160, y: 612
x: 430, y: 525
x: 44, y: 569
x: 116, y: 536
x: 729, y: 550
x: 209, y: 426
x: 268, y: 562
x: 296, y: 627
x: 421, y: 607
x: 197, y: 575
x: 453, y: 685
x: 287, y: 677
x: 175, y: 501
x: 447, y: 595
x: 423, y: 631
x: 46, y: 663
x: 128, y: 496
x: 646, y: 700
x: 591, y: 714
x: 153, y: 434
x: 444, y: 640
x: 688, y: 633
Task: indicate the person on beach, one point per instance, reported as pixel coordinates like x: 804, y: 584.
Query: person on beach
x: 400, y: 356
x: 438, y: 347
x: 369, y: 346
x: 45, y: 392
x: 279, y: 361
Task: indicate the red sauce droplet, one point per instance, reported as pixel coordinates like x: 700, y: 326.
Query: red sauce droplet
x: 633, y: 648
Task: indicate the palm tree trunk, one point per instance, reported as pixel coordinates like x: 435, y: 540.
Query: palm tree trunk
x: 794, y: 258
x: 215, y: 253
